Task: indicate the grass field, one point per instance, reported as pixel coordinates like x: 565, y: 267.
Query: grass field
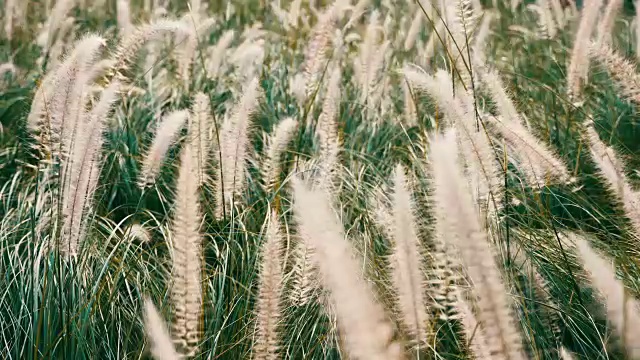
x: 319, y: 179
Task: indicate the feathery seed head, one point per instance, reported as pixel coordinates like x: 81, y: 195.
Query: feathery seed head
x: 201, y: 124
x: 186, y: 290
x: 407, y: 261
x: 622, y: 310
x: 217, y: 54
x: 612, y: 169
x: 139, y: 233
x: 327, y: 131
x: 166, y: 133
x: 131, y: 44
x: 161, y: 346
x: 316, y: 53
x: 51, y: 108
x: 608, y: 20
x: 234, y: 146
x: 277, y: 144
x: 367, y: 333
x: 621, y: 70
x: 268, y: 308
x: 458, y: 222
x: 80, y: 171
x: 579, y: 65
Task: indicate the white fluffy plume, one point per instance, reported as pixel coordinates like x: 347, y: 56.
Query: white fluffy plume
x: 367, y: 332
x: 407, y: 261
x: 457, y: 221
x: 161, y: 346
x: 166, y: 133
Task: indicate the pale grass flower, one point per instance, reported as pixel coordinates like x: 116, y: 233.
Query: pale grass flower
x: 234, y: 147
x: 637, y: 28
x: 9, y: 13
x: 546, y: 22
x: 138, y: 232
x: 166, y: 134
x: 458, y: 221
x: 565, y: 354
x: 186, y: 292
x: 414, y: 31
x: 58, y: 14
x: 200, y: 128
x: 276, y: 146
x: 132, y: 43
x: 541, y: 159
x: 217, y: 54
x: 161, y: 343
x: 327, y: 131
x: 123, y: 13
x: 622, y: 71
x: 80, y: 172
x: 482, y: 167
x: 579, y: 65
x: 558, y: 13
x: 317, y: 50
x: 472, y: 329
x: 268, y: 304
x: 196, y: 29
x: 622, y: 307
x: 406, y: 260
x: 612, y: 169
x: 368, y: 335
x: 608, y: 21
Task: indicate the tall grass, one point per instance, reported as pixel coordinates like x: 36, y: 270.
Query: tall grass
x: 324, y: 179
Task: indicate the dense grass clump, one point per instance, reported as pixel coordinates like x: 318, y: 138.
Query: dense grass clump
x: 319, y: 179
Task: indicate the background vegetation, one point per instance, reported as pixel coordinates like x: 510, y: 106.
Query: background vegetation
x: 92, y: 306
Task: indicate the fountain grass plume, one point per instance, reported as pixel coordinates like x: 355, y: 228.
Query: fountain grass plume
x: 367, y: 333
